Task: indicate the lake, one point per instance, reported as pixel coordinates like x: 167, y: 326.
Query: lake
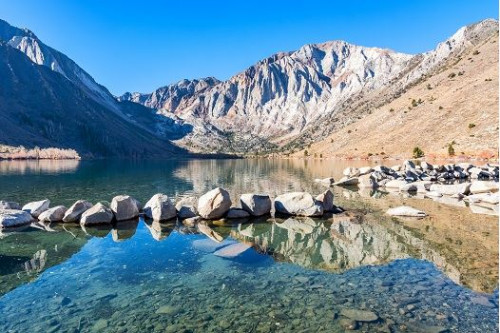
x: 362, y: 271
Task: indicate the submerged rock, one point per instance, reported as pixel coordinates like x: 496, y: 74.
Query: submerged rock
x: 256, y: 204
x: 35, y: 208
x: 191, y: 221
x: 98, y: 214
x: 9, y: 205
x: 359, y: 315
x: 54, y: 214
x: 232, y: 250
x: 298, y: 203
x: 124, y: 207
x: 74, y: 213
x: 160, y: 208
x: 406, y: 211
x: 209, y: 232
x: 214, y: 204
x: 14, y: 218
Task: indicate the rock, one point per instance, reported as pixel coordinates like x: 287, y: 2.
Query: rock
x: 411, y: 187
x: 345, y: 181
x: 395, y: 184
x: 124, y: 207
x: 209, y: 232
x: 422, y: 186
x: 359, y: 315
x: 160, y: 208
x: 365, y: 170
x: 100, y: 325
x: 54, y: 214
x: 426, y: 166
x: 451, y: 189
x: 214, y: 204
x: 232, y: 250
x: 367, y: 181
x: 325, y: 181
x: 489, y: 198
x: 14, y: 218
x: 433, y: 194
x: 237, y: 213
x: 9, y: 205
x: 76, y: 210
x: 37, y: 207
x: 483, y: 187
x: 256, y: 204
x: 186, y: 208
x: 405, y: 211
x: 408, y: 165
x: 97, y: 214
x: 351, y: 172
x: 298, y: 203
x: 383, y: 169
x: 326, y: 198
x: 167, y: 309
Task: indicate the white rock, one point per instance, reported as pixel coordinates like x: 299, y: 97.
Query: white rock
x: 395, y: 184
x: 298, y: 203
x: 405, y: 211
x: 462, y: 188
x: 37, y: 207
x: 365, y: 170
x: 433, y: 194
x: 490, y: 198
x: 160, y: 208
x: 14, y: 218
x: 351, y: 172
x: 232, y: 250
x: 97, y: 214
x: 54, y: 214
x: 256, y: 204
x: 124, y: 207
x: 325, y: 181
x: 345, y: 181
x: 76, y: 210
x: 214, y: 204
x: 410, y: 187
x: 367, y: 181
x: 9, y: 205
x: 326, y: 198
x: 483, y: 187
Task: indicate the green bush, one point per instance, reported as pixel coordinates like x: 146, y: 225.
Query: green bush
x: 472, y: 125
x: 451, y: 150
x: 417, y: 152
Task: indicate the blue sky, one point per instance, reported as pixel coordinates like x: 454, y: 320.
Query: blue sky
x: 142, y: 45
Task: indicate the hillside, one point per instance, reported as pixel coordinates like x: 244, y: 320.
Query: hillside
x: 458, y: 103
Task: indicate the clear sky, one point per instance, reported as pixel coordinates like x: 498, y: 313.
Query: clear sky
x: 141, y: 45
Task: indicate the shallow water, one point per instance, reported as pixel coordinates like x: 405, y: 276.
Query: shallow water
x: 364, y: 271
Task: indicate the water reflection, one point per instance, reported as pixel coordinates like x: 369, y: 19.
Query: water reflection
x: 23, y: 167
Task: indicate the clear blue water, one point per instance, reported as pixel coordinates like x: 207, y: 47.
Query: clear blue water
x: 370, y: 274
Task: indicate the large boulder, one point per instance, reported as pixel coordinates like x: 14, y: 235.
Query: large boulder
x: 326, y: 198
x: 462, y: 188
x: 395, y: 184
x: 36, y: 208
x: 76, y: 210
x: 489, y: 198
x: 160, y: 208
x: 14, y: 218
x: 346, y: 181
x: 186, y: 208
x: 97, y: 214
x: 325, y: 181
x: 405, y: 211
x: 365, y: 170
x: 298, y: 203
x: 351, y: 172
x: 124, y: 207
x: 483, y: 187
x: 214, y: 204
x: 54, y: 214
x: 256, y: 204
x: 9, y: 205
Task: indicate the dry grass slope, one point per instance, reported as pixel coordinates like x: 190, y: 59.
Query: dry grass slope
x: 458, y: 104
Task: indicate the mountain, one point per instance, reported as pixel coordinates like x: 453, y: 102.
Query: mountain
x: 47, y: 100
x: 292, y: 99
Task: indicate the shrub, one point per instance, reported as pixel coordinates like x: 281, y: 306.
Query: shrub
x: 429, y: 86
x: 440, y: 107
x: 414, y: 103
x: 320, y: 155
x: 417, y: 152
x: 306, y: 153
x: 391, y: 110
x: 472, y: 125
x: 451, y: 150
x: 476, y: 52
x: 349, y: 131
x: 452, y: 75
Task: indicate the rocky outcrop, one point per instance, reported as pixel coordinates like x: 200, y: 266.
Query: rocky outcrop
x: 124, y: 207
x: 98, y: 214
x: 9, y: 205
x: 160, y: 208
x: 298, y: 203
x: 14, y: 218
x: 405, y: 211
x: 54, y: 214
x: 256, y: 204
x: 37, y: 207
x: 214, y: 204
x: 76, y: 210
